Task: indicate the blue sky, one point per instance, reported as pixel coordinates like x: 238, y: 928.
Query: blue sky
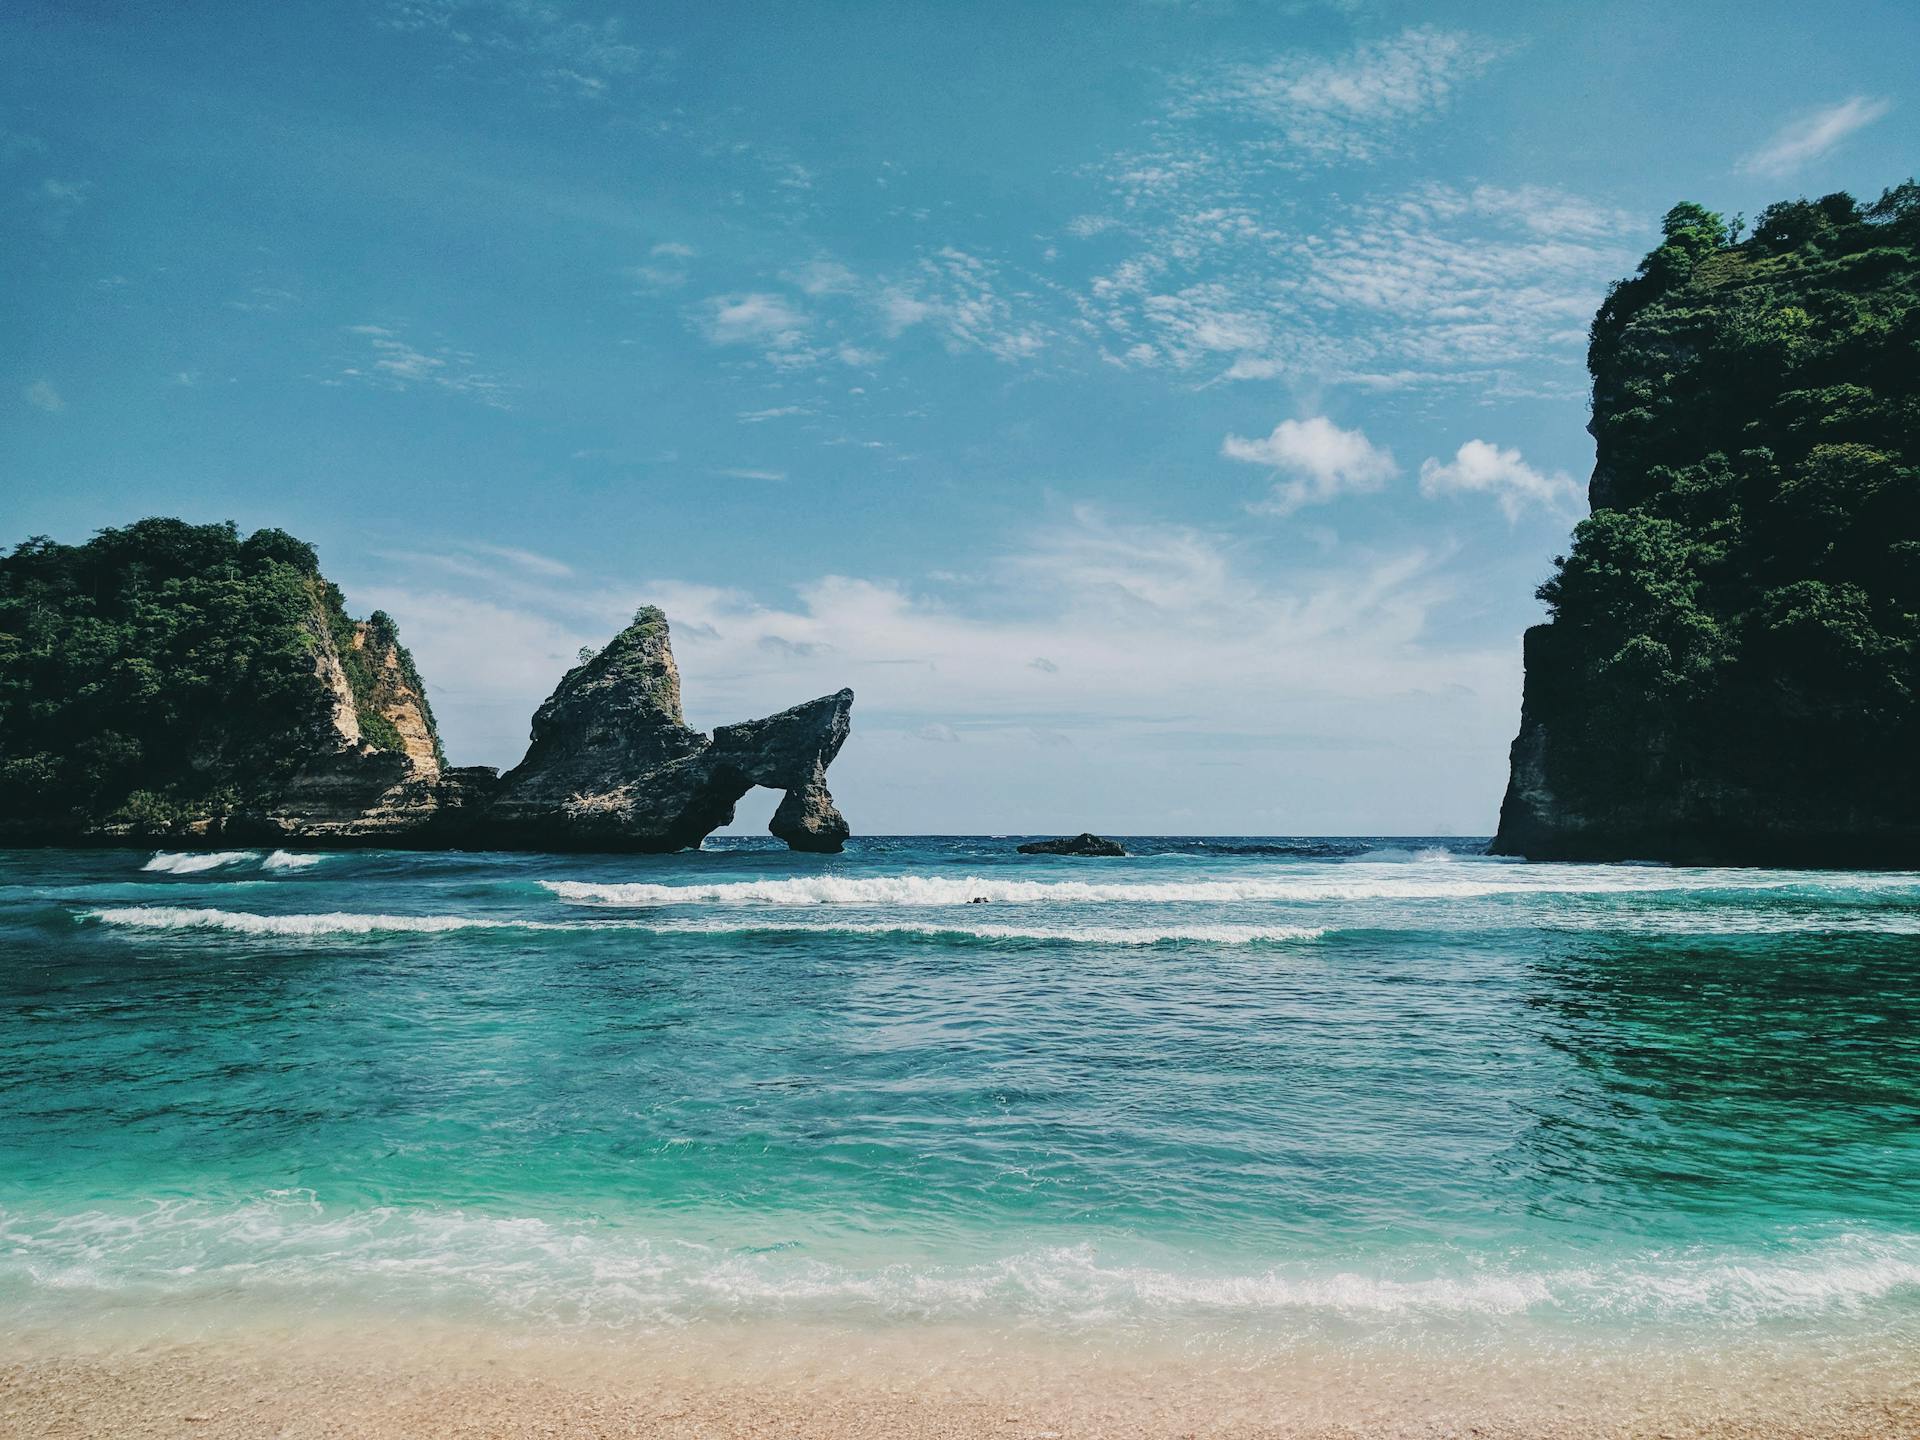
x: 1159, y: 413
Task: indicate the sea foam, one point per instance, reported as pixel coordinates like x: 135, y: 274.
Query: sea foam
x: 170, y: 917
x: 290, y: 860
x: 569, y: 1273
x: 1351, y: 882
x: 192, y: 862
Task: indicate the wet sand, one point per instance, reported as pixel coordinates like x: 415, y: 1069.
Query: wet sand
x: 764, y: 1383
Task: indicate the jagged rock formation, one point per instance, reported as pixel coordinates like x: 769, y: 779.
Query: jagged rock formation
x: 613, y: 764
x: 174, y: 683
x: 1732, y: 669
x: 1085, y: 843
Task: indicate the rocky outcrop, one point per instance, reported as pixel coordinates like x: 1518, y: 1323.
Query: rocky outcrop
x: 179, y: 684
x: 613, y: 764
x: 1085, y: 843
x: 1728, y: 674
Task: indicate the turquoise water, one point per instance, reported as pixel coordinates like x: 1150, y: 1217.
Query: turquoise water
x: 1257, y: 1090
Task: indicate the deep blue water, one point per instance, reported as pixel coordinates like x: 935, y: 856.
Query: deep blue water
x: 1259, y: 1088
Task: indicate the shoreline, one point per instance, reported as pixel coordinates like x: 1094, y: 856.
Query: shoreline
x: 745, y: 1379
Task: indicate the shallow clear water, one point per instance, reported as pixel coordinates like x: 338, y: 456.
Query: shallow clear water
x: 1259, y: 1090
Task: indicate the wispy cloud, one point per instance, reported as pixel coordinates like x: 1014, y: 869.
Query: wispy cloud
x: 1347, y: 107
x: 1314, y: 461
x: 1426, y: 288
x: 553, y: 43
x: 1482, y: 468
x: 745, y: 473
x: 530, y: 561
x: 57, y: 201
x: 392, y: 362
x: 1808, y: 137
x: 961, y: 296
x: 42, y: 395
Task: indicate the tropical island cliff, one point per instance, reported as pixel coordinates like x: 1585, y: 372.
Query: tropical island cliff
x: 176, y: 683
x: 1728, y: 674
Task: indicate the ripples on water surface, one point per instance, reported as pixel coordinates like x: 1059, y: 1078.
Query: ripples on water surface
x: 1249, y: 1088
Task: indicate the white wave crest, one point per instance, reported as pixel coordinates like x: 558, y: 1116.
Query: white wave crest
x: 168, y: 917
x: 290, y: 1245
x: 1350, y: 882
x: 191, y: 862
x: 290, y: 860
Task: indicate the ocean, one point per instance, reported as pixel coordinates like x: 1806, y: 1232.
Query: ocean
x: 1231, y: 1096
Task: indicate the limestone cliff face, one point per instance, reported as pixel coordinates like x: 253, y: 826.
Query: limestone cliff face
x: 613, y: 764
x: 396, y: 695
x: 376, y: 769
x: 343, y: 716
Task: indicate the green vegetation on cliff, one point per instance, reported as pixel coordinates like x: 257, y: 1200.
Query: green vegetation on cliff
x: 165, y: 671
x: 1731, y: 658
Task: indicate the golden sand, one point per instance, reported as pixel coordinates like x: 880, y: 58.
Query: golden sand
x: 799, y: 1385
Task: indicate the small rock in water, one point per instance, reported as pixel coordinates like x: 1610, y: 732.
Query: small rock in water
x: 1085, y: 843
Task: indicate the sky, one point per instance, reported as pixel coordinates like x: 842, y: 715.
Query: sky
x: 1159, y: 414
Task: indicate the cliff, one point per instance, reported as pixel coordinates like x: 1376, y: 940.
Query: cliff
x: 1728, y: 671
x: 174, y: 683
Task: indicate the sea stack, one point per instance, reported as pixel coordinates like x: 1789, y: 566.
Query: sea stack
x: 614, y: 766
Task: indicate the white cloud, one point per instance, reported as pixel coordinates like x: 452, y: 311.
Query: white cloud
x: 1318, y: 460
x: 42, y: 395
x: 823, y: 277
x: 900, y: 311
x: 1348, y: 107
x: 1808, y: 137
x: 962, y: 298
x: 1482, y: 468
x: 673, y: 250
x: 754, y: 319
x: 773, y: 412
x: 1427, y: 287
x: 741, y: 473
x: 1336, y: 664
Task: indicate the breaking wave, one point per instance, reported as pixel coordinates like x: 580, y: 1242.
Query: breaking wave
x: 168, y: 917
x: 1351, y: 883
x: 291, y: 860
x: 192, y: 862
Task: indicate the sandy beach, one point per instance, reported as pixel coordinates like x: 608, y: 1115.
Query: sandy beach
x: 760, y: 1382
